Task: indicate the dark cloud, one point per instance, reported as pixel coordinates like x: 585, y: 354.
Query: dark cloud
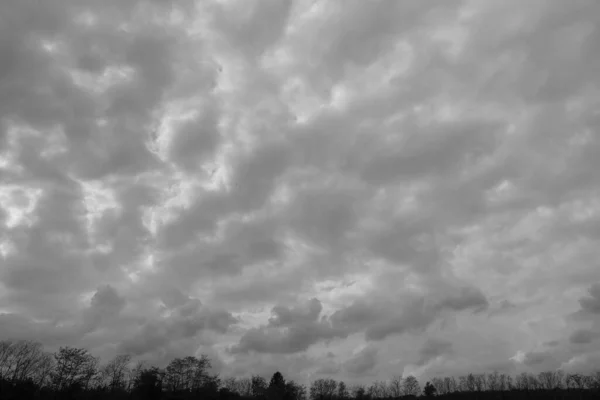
x: 380, y: 319
x: 283, y: 316
x: 185, y: 321
x: 329, y: 369
x: 377, y: 319
x: 465, y: 298
x: 289, y: 330
x: 583, y: 336
x: 591, y: 303
x: 412, y: 317
x: 503, y: 307
x: 105, y: 304
x: 432, y: 349
x: 196, y: 138
x: 363, y: 363
x: 18, y: 327
x: 552, y: 343
x: 534, y: 358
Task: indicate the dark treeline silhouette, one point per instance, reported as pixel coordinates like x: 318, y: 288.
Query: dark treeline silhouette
x: 28, y: 372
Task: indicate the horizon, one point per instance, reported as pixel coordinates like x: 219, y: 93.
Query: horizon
x: 26, y: 368
x: 338, y: 189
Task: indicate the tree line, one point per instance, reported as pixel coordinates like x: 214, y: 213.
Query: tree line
x: 29, y: 372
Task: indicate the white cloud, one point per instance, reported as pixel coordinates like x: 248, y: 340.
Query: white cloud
x: 419, y: 177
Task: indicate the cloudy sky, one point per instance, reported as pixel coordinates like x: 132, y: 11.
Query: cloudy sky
x: 348, y: 189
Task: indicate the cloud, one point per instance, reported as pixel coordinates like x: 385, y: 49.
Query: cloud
x: 275, y: 180
x: 289, y: 330
x: 413, y: 313
x: 532, y: 358
x: 283, y: 316
x: 591, y: 303
x: 583, y: 336
x: 582, y: 363
x: 105, y: 303
x: 466, y: 298
x: 433, y: 348
x: 363, y: 362
x: 184, y: 321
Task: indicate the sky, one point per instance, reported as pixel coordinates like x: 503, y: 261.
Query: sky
x: 332, y: 189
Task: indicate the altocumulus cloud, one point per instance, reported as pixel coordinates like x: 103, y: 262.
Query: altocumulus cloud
x: 271, y: 181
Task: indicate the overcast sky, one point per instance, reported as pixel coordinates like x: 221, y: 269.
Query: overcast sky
x: 346, y: 189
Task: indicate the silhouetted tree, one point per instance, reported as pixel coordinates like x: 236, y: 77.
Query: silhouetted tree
x: 342, y: 391
x: 395, y: 386
x: 187, y: 374
x: 276, y: 389
x: 74, y: 368
x: 429, y: 390
x: 210, y: 387
x: 115, y: 372
x: 231, y: 384
x: 575, y: 381
x: 27, y: 372
x: 294, y: 391
x: 259, y: 386
x: 378, y: 390
x: 480, y: 381
x: 359, y: 392
x: 149, y: 384
x: 411, y: 386
x: 323, y: 389
x: 550, y: 379
x: 134, y: 373
x: 244, y: 386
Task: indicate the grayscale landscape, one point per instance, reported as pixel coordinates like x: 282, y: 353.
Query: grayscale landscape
x: 311, y: 199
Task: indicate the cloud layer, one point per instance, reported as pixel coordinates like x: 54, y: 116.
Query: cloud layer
x: 406, y: 187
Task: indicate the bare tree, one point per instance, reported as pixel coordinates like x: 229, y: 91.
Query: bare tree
x: 372, y: 392
x: 231, y: 384
x: 534, y: 382
x: 44, y: 370
x: 21, y: 360
x: 358, y: 392
x: 134, y: 374
x: 594, y: 381
x: 25, y: 356
x: 378, y: 390
x: 342, y: 391
x: 522, y: 381
x: 480, y: 382
x: 259, y: 386
x: 116, y: 372
x: 383, y: 388
x: 438, y: 383
x: 395, y: 386
x: 90, y: 372
x: 245, y: 387
x: 505, y: 382
x: 323, y: 389
x: 7, y: 350
x: 73, y: 367
x: 187, y: 373
x: 575, y: 381
x: 471, y: 383
x: 550, y: 379
x: 411, y: 386
x: 450, y: 384
x: 493, y: 381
